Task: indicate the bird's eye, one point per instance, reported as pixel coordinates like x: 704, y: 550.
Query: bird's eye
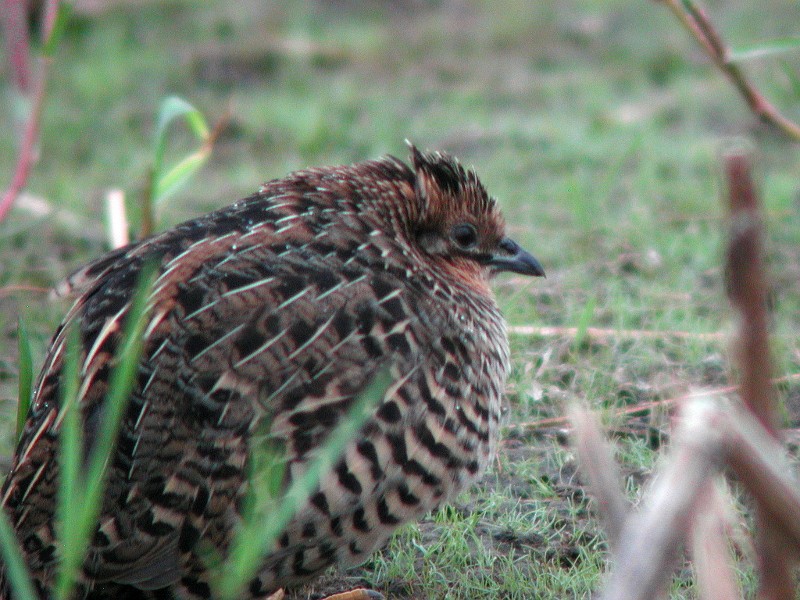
x: 465, y: 235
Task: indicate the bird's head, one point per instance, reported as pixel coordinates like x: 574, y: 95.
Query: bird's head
x: 459, y: 225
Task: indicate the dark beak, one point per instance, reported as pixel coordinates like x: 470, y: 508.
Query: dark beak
x: 511, y: 257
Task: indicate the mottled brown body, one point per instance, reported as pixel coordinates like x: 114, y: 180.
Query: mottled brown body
x: 268, y: 318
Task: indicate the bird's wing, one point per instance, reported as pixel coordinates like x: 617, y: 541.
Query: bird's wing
x: 241, y: 338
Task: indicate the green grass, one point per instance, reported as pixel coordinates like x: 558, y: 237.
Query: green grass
x: 597, y: 126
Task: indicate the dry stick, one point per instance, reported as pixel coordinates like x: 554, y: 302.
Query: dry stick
x: 764, y: 469
x: 594, y: 332
x: 30, y: 136
x: 716, y: 575
x: 8, y: 290
x: 711, y: 432
x: 747, y: 289
x: 697, y: 23
x: 652, y: 539
x: 641, y: 407
x: 596, y: 459
x: 762, y: 466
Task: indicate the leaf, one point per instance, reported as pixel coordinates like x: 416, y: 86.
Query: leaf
x: 179, y: 174
x: 771, y: 48
x: 163, y: 184
x: 16, y: 570
x: 173, y: 108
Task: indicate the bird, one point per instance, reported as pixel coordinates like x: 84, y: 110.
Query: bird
x: 267, y: 320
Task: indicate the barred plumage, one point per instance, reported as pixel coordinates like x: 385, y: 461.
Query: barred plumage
x: 269, y: 317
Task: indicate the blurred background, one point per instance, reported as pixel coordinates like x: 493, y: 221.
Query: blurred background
x: 599, y: 126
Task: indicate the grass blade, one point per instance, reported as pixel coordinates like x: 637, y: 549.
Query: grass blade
x: 161, y: 183
x: 584, y: 320
x: 25, y: 380
x: 120, y: 386
x: 179, y: 174
x: 263, y: 526
x: 81, y: 489
x: 173, y: 108
x: 70, y: 490
x: 17, y: 573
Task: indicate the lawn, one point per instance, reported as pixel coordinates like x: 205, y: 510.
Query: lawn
x: 599, y: 126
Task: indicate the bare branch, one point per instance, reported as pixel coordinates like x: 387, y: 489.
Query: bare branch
x: 596, y: 459
x: 696, y: 22
x: 651, y: 541
x: 643, y: 407
x: 624, y: 334
x: 716, y: 575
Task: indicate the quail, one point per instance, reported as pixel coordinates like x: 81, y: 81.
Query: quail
x: 268, y: 319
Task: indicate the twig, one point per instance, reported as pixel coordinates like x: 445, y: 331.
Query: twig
x: 641, y: 407
x: 596, y: 459
x: 762, y: 466
x: 30, y: 136
x: 716, y: 575
x: 219, y: 127
x: 9, y: 290
x: 595, y: 332
x: 697, y: 23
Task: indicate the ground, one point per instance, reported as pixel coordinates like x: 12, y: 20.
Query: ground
x: 598, y: 125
